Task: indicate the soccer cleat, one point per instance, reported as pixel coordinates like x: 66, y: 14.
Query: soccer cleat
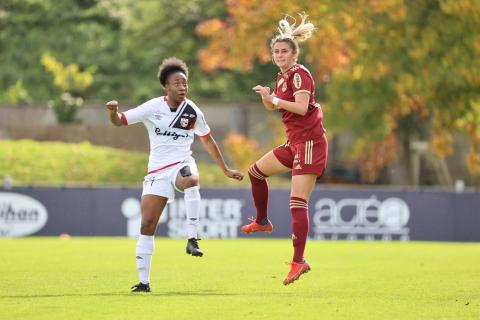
x: 254, y: 226
x: 193, y: 248
x: 296, y: 270
x: 141, y: 287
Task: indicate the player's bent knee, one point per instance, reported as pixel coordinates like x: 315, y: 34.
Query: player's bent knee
x: 189, y: 182
x: 149, y: 222
x: 148, y: 230
x: 255, y: 174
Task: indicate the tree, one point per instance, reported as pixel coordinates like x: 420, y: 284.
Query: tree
x: 71, y: 83
x: 82, y: 32
x: 171, y: 31
x: 122, y: 39
x: 395, y: 71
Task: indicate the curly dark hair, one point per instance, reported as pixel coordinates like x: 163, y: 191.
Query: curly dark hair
x: 169, y: 66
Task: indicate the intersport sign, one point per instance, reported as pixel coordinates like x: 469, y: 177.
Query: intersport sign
x: 20, y: 215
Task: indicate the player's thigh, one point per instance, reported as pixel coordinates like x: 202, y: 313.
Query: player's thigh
x: 152, y: 207
x: 270, y: 165
x: 187, y: 176
x: 182, y: 183
x: 302, y: 185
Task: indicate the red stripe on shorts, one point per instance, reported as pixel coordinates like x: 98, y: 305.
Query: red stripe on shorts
x: 164, y: 167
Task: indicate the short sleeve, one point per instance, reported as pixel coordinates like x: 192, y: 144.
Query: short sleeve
x: 201, y: 128
x: 302, y: 82
x: 135, y: 115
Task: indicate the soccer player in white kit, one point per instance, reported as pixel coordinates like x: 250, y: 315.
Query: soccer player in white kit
x: 171, y: 122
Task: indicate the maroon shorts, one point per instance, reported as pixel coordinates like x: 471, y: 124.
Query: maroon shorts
x: 309, y: 157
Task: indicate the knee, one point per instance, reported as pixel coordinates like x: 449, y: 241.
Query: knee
x: 148, y: 226
x: 189, y: 182
x: 255, y: 174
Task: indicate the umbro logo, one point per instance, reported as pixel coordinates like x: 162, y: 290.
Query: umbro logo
x: 139, y: 258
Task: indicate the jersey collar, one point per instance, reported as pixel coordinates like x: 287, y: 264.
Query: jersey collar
x: 287, y: 71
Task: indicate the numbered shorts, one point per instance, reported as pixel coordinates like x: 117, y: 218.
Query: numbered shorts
x: 162, y: 182
x: 309, y: 157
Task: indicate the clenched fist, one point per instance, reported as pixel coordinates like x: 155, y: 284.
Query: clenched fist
x: 112, y: 105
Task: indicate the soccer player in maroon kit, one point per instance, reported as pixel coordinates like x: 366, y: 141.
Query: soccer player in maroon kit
x: 305, y: 152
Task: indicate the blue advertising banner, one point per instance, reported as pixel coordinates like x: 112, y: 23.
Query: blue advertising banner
x: 334, y: 214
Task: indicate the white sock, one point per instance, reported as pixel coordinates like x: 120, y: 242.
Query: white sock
x: 144, y: 251
x: 192, y: 207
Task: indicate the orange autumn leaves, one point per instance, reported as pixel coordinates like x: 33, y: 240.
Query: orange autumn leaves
x: 421, y: 53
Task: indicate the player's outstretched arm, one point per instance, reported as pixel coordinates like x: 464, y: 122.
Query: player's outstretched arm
x: 112, y: 108
x: 212, y: 148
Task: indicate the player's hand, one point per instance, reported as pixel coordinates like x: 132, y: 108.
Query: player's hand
x: 234, y: 174
x: 112, y: 105
x: 264, y: 92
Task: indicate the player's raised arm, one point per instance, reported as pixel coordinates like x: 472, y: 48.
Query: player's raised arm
x: 214, y: 152
x: 271, y: 102
x: 115, y: 117
x: 264, y: 92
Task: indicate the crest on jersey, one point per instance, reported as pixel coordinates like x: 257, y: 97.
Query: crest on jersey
x: 297, y: 81
x: 184, y: 122
x: 284, y: 87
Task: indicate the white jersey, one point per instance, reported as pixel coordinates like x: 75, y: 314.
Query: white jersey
x: 171, y: 133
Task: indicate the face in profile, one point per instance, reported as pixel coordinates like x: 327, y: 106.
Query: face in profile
x: 177, y: 86
x: 283, y: 55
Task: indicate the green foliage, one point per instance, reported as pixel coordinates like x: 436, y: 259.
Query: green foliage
x: 414, y: 74
x: 390, y: 68
x: 171, y: 31
x: 80, y: 32
x: 395, y: 70
x: 66, y: 107
x: 71, y: 82
x: 31, y: 162
x: 122, y: 39
x: 15, y: 94
x: 68, y: 78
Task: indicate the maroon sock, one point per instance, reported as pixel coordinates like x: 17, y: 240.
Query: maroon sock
x: 299, y: 210
x: 259, y: 191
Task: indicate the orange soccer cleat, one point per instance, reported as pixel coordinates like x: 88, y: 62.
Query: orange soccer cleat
x: 296, y: 270
x: 254, y: 227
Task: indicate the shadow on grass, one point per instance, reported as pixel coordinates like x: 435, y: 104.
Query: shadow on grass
x: 203, y: 293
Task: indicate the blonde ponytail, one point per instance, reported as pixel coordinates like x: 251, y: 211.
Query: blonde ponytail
x: 293, y: 34
x: 304, y: 29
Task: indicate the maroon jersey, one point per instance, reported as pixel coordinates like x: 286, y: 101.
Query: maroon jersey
x: 299, y: 128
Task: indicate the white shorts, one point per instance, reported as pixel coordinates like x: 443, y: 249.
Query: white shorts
x: 162, y: 183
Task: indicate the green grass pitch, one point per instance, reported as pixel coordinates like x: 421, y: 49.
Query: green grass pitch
x: 89, y: 278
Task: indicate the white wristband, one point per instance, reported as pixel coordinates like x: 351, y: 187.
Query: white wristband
x: 275, y: 101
